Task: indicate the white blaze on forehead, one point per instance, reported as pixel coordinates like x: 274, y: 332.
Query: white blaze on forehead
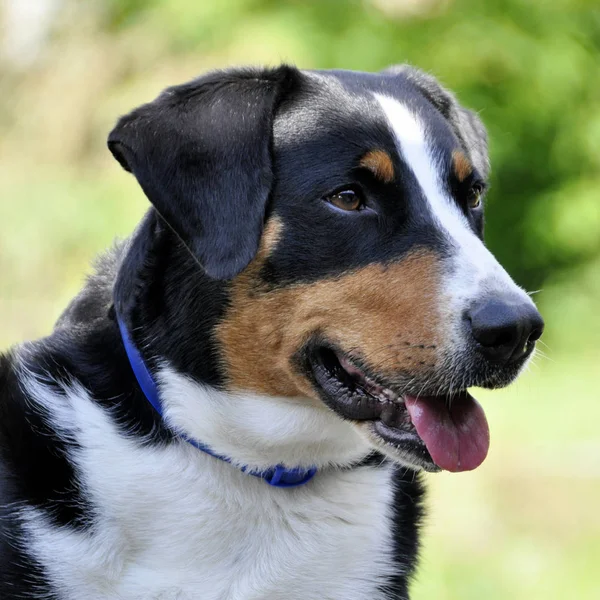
x: 412, y: 145
x: 475, y: 268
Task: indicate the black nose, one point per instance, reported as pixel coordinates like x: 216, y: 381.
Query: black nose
x: 506, y: 329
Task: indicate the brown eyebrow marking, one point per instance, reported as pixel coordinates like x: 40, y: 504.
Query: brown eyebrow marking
x: 379, y: 162
x: 270, y: 237
x: 462, y: 165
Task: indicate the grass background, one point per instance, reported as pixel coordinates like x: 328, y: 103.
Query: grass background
x: 526, y: 525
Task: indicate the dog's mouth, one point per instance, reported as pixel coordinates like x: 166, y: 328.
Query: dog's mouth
x: 431, y: 432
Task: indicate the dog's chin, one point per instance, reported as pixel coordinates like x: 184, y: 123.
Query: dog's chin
x: 404, y: 421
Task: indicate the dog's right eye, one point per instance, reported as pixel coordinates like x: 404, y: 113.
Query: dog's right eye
x: 348, y: 200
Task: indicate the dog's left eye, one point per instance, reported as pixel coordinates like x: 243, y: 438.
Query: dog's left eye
x: 348, y: 200
x: 474, y: 196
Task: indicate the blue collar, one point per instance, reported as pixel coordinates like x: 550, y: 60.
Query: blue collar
x: 277, y: 476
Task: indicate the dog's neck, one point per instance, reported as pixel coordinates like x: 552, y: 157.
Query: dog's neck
x: 171, y: 309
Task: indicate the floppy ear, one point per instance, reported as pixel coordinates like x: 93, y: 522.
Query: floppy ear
x: 466, y: 124
x: 202, y: 154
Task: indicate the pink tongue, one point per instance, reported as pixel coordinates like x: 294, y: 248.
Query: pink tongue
x: 458, y: 438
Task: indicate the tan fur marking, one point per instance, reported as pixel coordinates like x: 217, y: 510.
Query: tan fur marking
x: 379, y: 162
x: 389, y: 316
x: 462, y: 165
x: 270, y: 237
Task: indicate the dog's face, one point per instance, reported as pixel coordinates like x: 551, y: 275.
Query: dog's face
x: 347, y: 211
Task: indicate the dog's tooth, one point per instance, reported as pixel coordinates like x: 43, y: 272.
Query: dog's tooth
x: 389, y: 395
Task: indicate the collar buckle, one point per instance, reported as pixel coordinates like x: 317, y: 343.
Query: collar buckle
x: 285, y: 478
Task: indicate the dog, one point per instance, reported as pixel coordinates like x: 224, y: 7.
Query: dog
x: 239, y: 402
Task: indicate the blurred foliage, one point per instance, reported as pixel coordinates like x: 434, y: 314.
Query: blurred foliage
x: 526, y: 525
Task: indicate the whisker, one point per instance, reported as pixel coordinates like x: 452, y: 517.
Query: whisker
x: 543, y: 355
x: 540, y: 341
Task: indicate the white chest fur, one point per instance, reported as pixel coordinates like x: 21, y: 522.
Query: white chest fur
x: 174, y: 523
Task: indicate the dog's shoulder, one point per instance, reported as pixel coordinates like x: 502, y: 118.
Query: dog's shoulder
x: 37, y: 473
x: 25, y: 449
x: 34, y: 467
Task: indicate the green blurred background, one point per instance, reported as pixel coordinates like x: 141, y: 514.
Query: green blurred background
x: 526, y: 525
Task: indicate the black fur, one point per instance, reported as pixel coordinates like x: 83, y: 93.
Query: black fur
x: 33, y: 470
x: 407, y: 517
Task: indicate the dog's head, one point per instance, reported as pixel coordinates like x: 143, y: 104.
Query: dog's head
x: 346, y: 211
